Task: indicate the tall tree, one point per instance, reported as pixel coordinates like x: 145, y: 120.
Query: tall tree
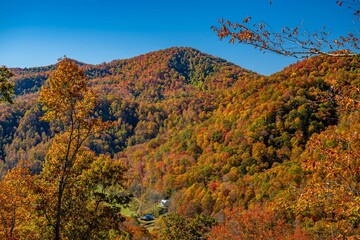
x: 68, y: 101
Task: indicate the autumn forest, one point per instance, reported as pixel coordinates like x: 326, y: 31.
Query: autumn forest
x: 179, y: 144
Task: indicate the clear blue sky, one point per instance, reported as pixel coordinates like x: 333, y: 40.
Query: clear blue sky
x: 37, y: 33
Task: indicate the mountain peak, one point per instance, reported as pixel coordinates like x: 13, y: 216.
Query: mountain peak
x: 149, y: 76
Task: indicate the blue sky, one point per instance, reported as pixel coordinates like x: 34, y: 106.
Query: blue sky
x: 37, y: 33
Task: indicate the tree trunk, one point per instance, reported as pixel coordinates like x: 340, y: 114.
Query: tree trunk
x: 58, y: 212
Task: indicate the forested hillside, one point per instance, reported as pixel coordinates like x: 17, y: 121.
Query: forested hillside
x: 225, y: 145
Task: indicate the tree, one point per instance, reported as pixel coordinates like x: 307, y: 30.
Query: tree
x: 257, y: 222
x: 174, y: 226
x: 6, y: 87
x: 66, y: 199
x: 16, y: 208
x: 92, y: 199
x: 331, y: 194
x: 292, y: 41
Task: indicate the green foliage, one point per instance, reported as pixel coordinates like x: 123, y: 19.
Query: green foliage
x: 174, y: 226
x: 29, y: 84
x: 30, y: 140
x: 6, y: 87
x: 92, y: 201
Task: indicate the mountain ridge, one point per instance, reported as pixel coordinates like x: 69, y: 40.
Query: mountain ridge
x: 32, y: 78
x: 45, y: 68
x: 212, y: 136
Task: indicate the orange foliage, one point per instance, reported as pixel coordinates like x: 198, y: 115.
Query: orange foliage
x: 255, y: 223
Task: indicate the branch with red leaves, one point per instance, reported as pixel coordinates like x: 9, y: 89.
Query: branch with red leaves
x: 295, y: 42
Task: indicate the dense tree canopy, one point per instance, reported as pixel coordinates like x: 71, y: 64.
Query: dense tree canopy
x: 217, y: 141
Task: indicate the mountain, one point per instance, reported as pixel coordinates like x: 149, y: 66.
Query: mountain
x: 211, y: 136
x: 141, y: 94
